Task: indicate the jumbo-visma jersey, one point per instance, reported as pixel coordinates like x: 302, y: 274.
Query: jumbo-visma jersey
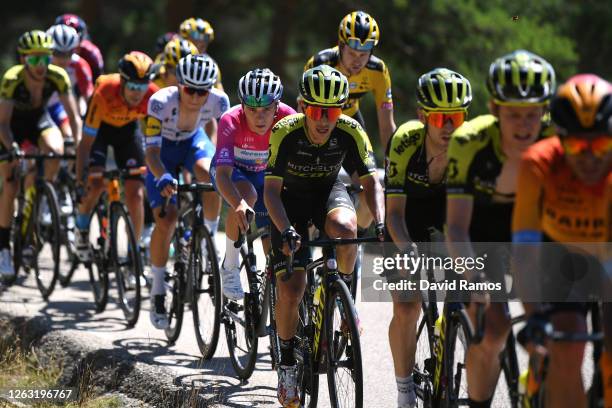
x: 373, y: 77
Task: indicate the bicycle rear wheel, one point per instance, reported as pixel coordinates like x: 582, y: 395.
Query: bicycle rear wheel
x: 308, y: 376
x: 45, y: 239
x: 425, y: 359
x: 125, y: 254
x: 206, y: 302
x: 344, y: 365
x: 97, y: 267
x: 241, y: 327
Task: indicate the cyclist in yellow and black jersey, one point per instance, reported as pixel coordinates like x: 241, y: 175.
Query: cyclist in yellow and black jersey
x: 358, y: 35
x: 24, y: 120
x: 302, y: 185
x: 483, y: 159
x: 415, y: 192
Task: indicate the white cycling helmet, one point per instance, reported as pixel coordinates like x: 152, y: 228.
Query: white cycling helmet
x: 65, y: 38
x: 197, y: 71
x: 260, y: 87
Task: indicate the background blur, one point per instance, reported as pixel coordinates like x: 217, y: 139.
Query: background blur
x: 416, y: 36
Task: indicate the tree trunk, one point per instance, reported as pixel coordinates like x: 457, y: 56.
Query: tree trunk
x: 176, y: 12
x: 281, y: 32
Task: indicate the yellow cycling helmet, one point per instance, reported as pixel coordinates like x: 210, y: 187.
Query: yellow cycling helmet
x: 324, y: 86
x: 35, y: 41
x: 443, y: 90
x: 177, y: 49
x: 521, y: 78
x: 197, y: 29
x: 359, y: 31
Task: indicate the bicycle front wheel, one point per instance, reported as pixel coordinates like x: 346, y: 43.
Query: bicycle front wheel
x: 125, y: 255
x: 458, y: 338
x: 68, y: 212
x: 44, y: 242
x: 206, y: 301
x: 97, y: 266
x: 241, y: 328
x: 344, y: 366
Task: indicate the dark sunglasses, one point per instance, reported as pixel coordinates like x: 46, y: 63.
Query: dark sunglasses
x: 191, y: 91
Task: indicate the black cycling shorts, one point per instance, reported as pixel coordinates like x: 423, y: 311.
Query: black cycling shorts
x: 126, y: 144
x: 301, y: 210
x: 28, y: 129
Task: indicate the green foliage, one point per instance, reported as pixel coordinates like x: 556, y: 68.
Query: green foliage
x: 416, y: 35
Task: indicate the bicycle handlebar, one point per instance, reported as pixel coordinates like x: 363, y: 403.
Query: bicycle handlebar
x: 249, y: 215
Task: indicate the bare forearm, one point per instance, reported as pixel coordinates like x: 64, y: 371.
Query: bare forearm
x: 155, y: 164
x: 6, y: 136
x: 226, y: 187
x: 396, y: 225
x: 276, y: 210
x: 375, y: 199
x: 83, y: 150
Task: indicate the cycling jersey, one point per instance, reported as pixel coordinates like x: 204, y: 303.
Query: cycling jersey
x: 407, y: 175
x: 475, y: 160
x: 238, y: 146
x: 80, y: 77
x: 91, y: 53
x: 163, y: 115
x: 13, y: 88
x: 373, y: 77
x: 108, y: 106
x: 306, y: 167
x: 552, y: 201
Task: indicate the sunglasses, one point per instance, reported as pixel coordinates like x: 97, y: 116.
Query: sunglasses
x: 439, y: 119
x: 198, y: 36
x: 60, y: 54
x: 137, y: 86
x: 192, y: 91
x: 317, y: 112
x: 38, y: 60
x: 599, y: 146
x: 254, y: 102
x: 356, y: 44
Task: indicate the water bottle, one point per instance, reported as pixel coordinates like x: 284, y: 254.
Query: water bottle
x: 185, y: 242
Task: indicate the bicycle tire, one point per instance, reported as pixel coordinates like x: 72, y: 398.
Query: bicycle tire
x: 340, y: 344
x: 206, y: 285
x: 17, y: 242
x: 97, y: 266
x: 510, y: 368
x: 455, y: 389
x: 174, y: 296
x: 425, y: 358
x: 46, y: 234
x: 244, y: 316
x: 66, y: 187
x: 126, y: 264
x: 308, y: 376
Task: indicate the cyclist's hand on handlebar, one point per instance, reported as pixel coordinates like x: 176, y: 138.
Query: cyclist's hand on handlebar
x: 241, y: 212
x: 291, y: 241
x: 166, y: 185
x: 15, y: 150
x: 380, y: 231
x: 479, y: 296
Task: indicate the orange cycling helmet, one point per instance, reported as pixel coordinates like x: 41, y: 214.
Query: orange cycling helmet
x: 583, y: 104
x: 135, y: 66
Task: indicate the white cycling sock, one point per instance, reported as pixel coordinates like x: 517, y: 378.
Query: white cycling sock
x: 232, y: 255
x: 406, y: 397
x: 212, y: 226
x: 158, y: 280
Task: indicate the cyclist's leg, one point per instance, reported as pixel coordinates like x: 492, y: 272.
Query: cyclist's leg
x: 127, y: 145
x: 198, y: 162
x: 563, y: 376
x: 341, y: 222
x: 96, y: 163
x: 482, y: 359
x: 51, y: 141
x: 7, y: 209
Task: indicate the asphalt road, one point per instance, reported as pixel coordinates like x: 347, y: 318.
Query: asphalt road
x: 72, y: 309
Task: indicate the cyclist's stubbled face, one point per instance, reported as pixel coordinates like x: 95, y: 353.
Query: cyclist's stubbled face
x: 589, y: 168
x: 520, y: 126
x: 132, y: 97
x: 354, y: 61
x: 439, y: 136
x: 260, y: 120
x: 61, y: 60
x: 318, y: 131
x: 192, y: 101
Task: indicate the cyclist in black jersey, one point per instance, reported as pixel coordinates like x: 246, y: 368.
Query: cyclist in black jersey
x: 302, y: 185
x: 415, y: 192
x: 24, y: 120
x: 483, y: 160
